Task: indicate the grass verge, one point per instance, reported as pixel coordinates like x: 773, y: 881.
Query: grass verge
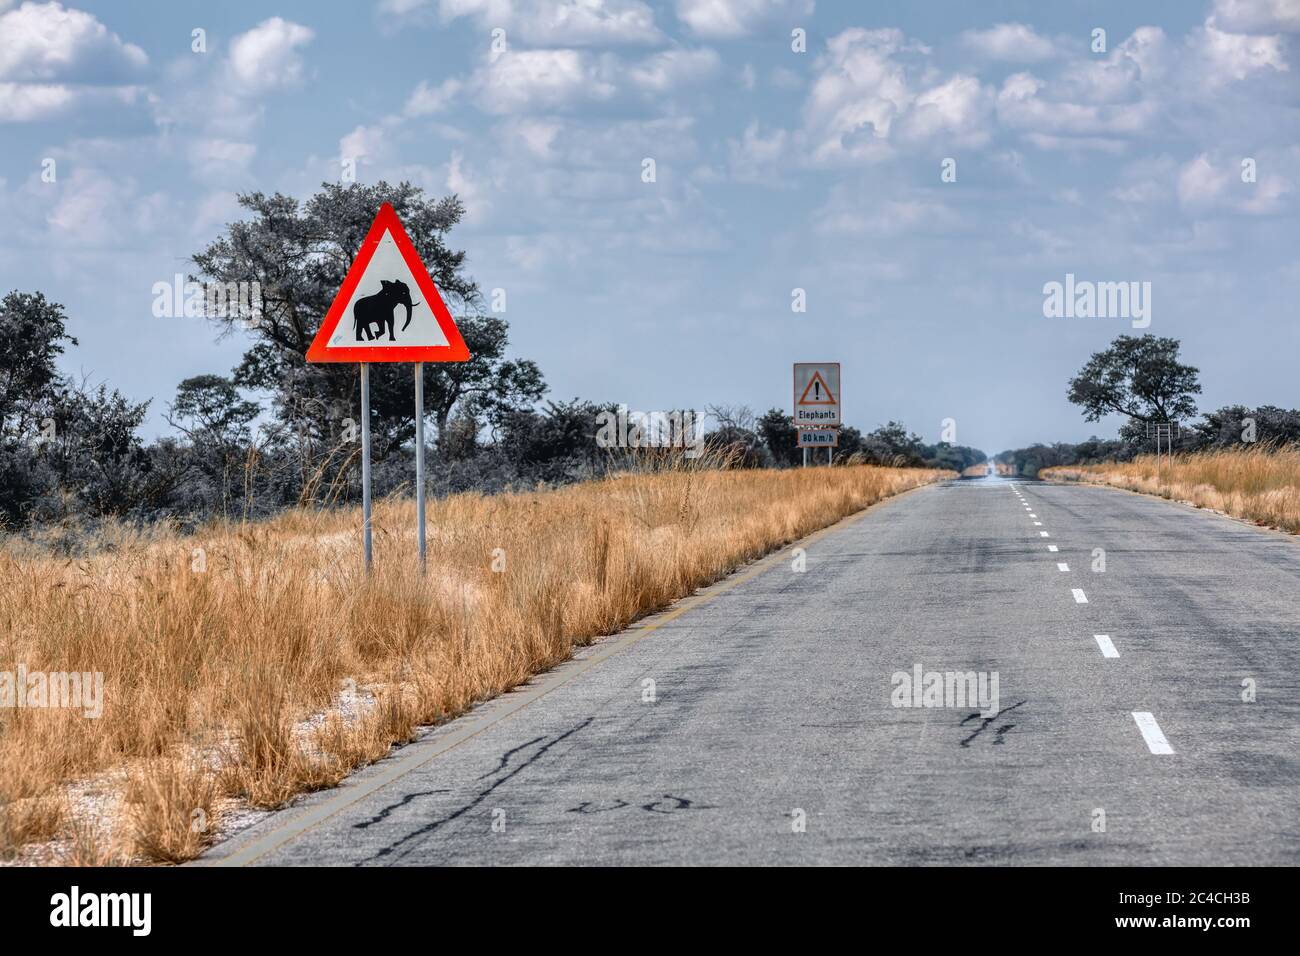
x: 258, y: 661
x: 1260, y: 484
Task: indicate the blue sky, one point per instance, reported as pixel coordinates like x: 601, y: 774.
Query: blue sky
x: 775, y: 170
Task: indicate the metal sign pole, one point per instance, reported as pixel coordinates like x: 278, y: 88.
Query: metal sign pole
x: 365, y: 459
x: 805, y: 457
x: 419, y: 459
x: 1157, y: 451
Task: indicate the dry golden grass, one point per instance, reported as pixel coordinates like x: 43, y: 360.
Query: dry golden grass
x: 1260, y: 484
x: 217, y: 647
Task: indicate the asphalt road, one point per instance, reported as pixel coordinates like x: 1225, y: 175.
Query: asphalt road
x: 771, y: 735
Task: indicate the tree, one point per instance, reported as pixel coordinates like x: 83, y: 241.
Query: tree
x: 1137, y: 376
x: 210, y: 408
x: 34, y: 336
x: 779, y: 434
x: 1238, y: 424
x: 98, y: 456
x: 299, y: 255
x: 493, y: 384
x: 892, y: 444
x: 554, y: 443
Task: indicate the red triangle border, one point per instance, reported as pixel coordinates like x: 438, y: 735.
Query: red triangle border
x: 454, y: 351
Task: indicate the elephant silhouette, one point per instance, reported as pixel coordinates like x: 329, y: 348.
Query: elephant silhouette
x: 377, y: 310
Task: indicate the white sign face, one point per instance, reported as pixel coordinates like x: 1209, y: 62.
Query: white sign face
x: 819, y: 437
x: 375, y: 316
x: 817, y: 393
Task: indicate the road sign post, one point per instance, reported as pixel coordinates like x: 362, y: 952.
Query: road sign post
x: 1168, y: 431
x: 365, y: 461
x: 419, y: 460
x: 381, y: 280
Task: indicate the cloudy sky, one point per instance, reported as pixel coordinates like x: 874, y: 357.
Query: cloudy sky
x: 776, y: 170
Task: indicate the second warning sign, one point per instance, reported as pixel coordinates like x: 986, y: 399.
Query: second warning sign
x: 817, y: 393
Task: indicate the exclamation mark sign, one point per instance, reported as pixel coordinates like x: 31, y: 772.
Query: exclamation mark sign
x: 817, y: 390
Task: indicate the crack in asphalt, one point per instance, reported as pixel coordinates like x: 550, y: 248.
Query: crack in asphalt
x: 387, y: 811
x: 505, y: 757
x: 397, y: 845
x: 985, y: 721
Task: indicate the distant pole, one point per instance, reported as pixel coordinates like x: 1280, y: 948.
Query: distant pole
x: 419, y: 459
x: 365, y: 459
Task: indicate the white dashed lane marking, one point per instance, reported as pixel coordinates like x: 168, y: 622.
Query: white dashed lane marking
x: 1151, y: 732
x: 1043, y: 534
x: 1079, y: 596
x: 1038, y: 524
x: 1052, y: 547
x: 1107, y: 647
x: 1062, y: 566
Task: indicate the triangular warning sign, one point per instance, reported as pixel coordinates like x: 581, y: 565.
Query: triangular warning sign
x: 388, y: 309
x: 817, y: 392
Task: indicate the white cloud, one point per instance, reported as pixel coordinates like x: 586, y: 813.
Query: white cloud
x: 785, y: 79
x: 220, y: 159
x: 1075, y: 144
x: 425, y: 99
x: 266, y: 57
x: 536, y: 136
x: 1013, y: 42
x: 1124, y: 74
x: 893, y: 218
x: 863, y: 209
x: 758, y: 158
x: 859, y: 91
x: 369, y: 143
x: 1264, y: 15
x: 521, y: 81
x: 1225, y: 57
x: 868, y: 93
x: 21, y: 102
x: 469, y: 188
x: 1207, y: 183
x: 96, y: 208
x: 1200, y: 183
x: 665, y: 71
x: 737, y: 18
x: 958, y: 109
x: 53, y: 59
x: 565, y: 23
x: 1147, y: 180
x: 1022, y: 104
x: 40, y: 42
x: 24, y: 102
